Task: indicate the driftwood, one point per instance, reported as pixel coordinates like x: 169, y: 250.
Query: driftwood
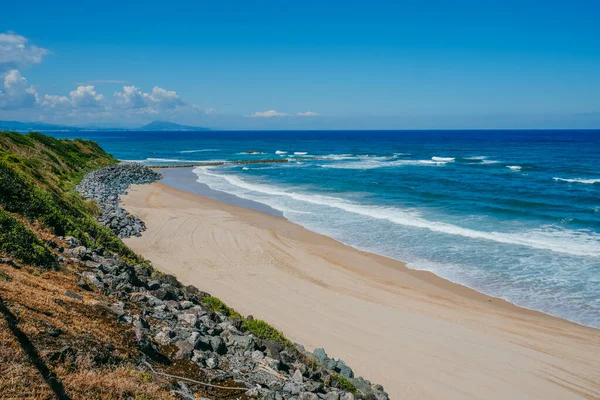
x: 194, y: 381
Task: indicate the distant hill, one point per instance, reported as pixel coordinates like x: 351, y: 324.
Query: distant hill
x: 169, y: 126
x: 34, y: 126
x: 155, y: 126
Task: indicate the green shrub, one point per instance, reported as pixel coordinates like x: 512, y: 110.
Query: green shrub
x: 257, y: 327
x: 146, y: 377
x: 38, y: 174
x: 265, y: 331
x: 344, y: 383
x: 18, y: 241
x: 216, y: 305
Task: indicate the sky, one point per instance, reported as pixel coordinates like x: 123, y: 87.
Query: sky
x: 302, y: 65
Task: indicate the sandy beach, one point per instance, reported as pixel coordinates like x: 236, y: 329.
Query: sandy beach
x: 419, y: 335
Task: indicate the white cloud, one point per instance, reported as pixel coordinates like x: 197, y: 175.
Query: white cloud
x: 308, y: 114
x: 85, y: 96
x: 15, y: 51
x: 130, y: 97
x: 17, y: 93
x: 268, y: 114
x: 165, y: 98
x: 159, y: 98
x: 12, y: 38
x: 55, y: 101
x: 210, y: 111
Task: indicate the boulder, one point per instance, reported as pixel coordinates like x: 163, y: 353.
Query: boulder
x: 185, y: 349
x: 321, y: 355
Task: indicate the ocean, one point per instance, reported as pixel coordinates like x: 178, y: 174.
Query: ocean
x: 513, y: 214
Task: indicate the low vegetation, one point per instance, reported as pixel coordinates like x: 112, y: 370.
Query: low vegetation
x: 17, y: 241
x: 37, y: 175
x: 257, y: 327
x: 343, y: 383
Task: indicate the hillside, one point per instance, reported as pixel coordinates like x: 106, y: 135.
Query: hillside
x: 34, y: 126
x: 84, y: 317
x: 169, y: 126
x: 155, y: 126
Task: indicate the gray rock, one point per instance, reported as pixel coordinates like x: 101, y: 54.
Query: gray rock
x: 307, y: 396
x: 246, y: 342
x: 153, y: 285
x: 189, y: 318
x: 212, y: 362
x: 297, y: 377
x: 291, y: 387
x: 346, y: 396
x: 257, y: 355
x: 73, y: 295
x: 344, y: 370
x: 185, y: 350
x: 164, y: 337
x: 313, y: 386
x: 333, y: 395
x: 218, y: 345
x: 93, y: 279
x: 321, y: 355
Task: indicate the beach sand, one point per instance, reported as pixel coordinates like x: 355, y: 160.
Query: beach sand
x: 420, y: 336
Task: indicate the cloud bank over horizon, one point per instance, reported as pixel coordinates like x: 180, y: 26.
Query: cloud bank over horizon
x: 120, y: 103
x: 85, y: 104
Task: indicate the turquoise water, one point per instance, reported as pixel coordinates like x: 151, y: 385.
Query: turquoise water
x: 513, y: 214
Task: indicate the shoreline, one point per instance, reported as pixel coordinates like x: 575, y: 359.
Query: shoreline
x: 183, y: 178
x: 375, y: 284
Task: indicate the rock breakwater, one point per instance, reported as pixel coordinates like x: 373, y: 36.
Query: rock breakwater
x: 104, y: 187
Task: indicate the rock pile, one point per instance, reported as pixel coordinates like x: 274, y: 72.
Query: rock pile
x: 104, y: 187
x: 175, y: 322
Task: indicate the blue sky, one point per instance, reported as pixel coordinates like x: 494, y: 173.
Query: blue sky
x: 303, y: 65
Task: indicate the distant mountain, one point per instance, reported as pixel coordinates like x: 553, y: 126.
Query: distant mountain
x: 169, y: 126
x: 34, y: 126
x: 41, y: 127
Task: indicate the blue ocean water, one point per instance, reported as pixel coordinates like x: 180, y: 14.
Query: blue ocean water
x: 514, y: 214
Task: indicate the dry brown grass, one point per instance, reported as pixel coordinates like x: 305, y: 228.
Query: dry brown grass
x: 37, y: 301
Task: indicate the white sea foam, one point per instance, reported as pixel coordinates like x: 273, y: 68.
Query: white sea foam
x: 579, y: 242
x: 169, y: 160
x: 245, y: 168
x: 444, y: 159
x: 514, y: 167
x: 337, y: 157
x: 374, y: 163
x: 198, y: 151
x: 485, y: 162
x: 476, y: 158
x: 300, y: 153
x: 177, y: 160
x: 245, y: 153
x: 279, y: 152
x: 578, y: 180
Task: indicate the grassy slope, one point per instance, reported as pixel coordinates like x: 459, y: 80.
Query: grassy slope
x: 37, y: 177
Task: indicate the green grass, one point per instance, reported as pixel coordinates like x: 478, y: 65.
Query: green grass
x: 216, y: 305
x: 257, y: 327
x: 265, y: 331
x: 3, y: 276
x: 17, y: 241
x: 38, y: 174
x: 344, y: 383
